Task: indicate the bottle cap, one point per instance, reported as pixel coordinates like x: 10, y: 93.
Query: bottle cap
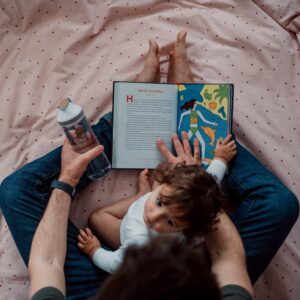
x: 63, y: 103
x: 69, y: 113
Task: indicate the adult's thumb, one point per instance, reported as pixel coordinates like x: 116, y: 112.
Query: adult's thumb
x: 93, y: 153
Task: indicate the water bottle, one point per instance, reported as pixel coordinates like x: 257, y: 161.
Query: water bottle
x: 80, y: 134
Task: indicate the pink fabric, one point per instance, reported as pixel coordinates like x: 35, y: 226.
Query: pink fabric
x: 53, y: 49
x: 286, y: 13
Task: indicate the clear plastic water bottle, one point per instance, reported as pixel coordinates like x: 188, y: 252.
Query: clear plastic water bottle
x: 80, y: 134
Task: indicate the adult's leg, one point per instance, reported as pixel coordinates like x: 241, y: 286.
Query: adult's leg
x: 266, y: 209
x: 23, y: 198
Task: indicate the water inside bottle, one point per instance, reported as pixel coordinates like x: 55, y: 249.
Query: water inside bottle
x: 99, y: 167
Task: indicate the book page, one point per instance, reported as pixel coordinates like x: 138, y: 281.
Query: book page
x: 205, y: 113
x: 142, y: 113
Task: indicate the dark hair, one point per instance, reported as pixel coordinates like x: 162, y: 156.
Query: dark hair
x: 163, y: 269
x: 195, y: 195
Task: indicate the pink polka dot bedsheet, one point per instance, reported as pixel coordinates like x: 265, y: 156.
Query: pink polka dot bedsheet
x: 52, y: 49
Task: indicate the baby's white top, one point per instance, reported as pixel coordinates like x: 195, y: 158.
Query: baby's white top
x: 133, y: 230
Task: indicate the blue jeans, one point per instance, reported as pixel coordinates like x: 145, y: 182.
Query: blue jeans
x: 266, y: 211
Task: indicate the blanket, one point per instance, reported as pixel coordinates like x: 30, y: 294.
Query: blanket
x: 52, y: 49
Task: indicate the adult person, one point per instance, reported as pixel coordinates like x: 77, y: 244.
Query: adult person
x: 48, y: 250
x: 265, y: 209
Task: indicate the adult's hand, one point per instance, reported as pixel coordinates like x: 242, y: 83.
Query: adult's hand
x: 73, y: 164
x: 183, y: 150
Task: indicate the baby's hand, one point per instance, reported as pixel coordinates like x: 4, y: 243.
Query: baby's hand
x: 144, y: 186
x: 87, y: 242
x: 225, y: 150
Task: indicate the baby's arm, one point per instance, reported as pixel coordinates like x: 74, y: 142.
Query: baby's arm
x: 107, y: 260
x: 224, y: 152
x: 106, y: 221
x: 103, y: 259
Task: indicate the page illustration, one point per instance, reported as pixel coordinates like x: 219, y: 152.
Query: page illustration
x: 203, y: 113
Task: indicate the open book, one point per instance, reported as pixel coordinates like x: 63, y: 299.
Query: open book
x: 143, y: 112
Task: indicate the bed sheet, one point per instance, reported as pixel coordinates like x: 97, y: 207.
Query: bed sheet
x: 53, y: 49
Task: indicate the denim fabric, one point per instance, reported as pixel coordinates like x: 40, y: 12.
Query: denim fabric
x: 266, y: 211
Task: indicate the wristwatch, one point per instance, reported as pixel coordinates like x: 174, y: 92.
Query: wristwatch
x: 56, y: 184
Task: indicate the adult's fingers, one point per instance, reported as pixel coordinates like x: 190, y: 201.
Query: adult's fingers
x: 166, y: 153
x: 197, y: 151
x: 177, y: 145
x: 93, y: 153
x: 67, y: 146
x: 186, y: 143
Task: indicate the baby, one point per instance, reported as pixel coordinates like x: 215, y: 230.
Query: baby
x: 185, y: 202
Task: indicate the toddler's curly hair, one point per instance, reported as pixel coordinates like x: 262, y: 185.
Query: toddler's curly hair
x: 196, y: 196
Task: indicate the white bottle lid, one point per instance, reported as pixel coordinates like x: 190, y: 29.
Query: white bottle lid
x: 69, y: 113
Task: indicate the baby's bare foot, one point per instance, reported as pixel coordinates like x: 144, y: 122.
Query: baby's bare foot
x: 144, y: 182
x: 179, y: 69
x: 150, y: 72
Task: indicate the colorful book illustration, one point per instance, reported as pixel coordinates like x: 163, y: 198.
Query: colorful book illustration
x: 143, y: 112
x: 205, y: 113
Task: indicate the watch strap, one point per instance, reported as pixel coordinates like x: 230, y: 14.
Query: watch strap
x: 56, y: 184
